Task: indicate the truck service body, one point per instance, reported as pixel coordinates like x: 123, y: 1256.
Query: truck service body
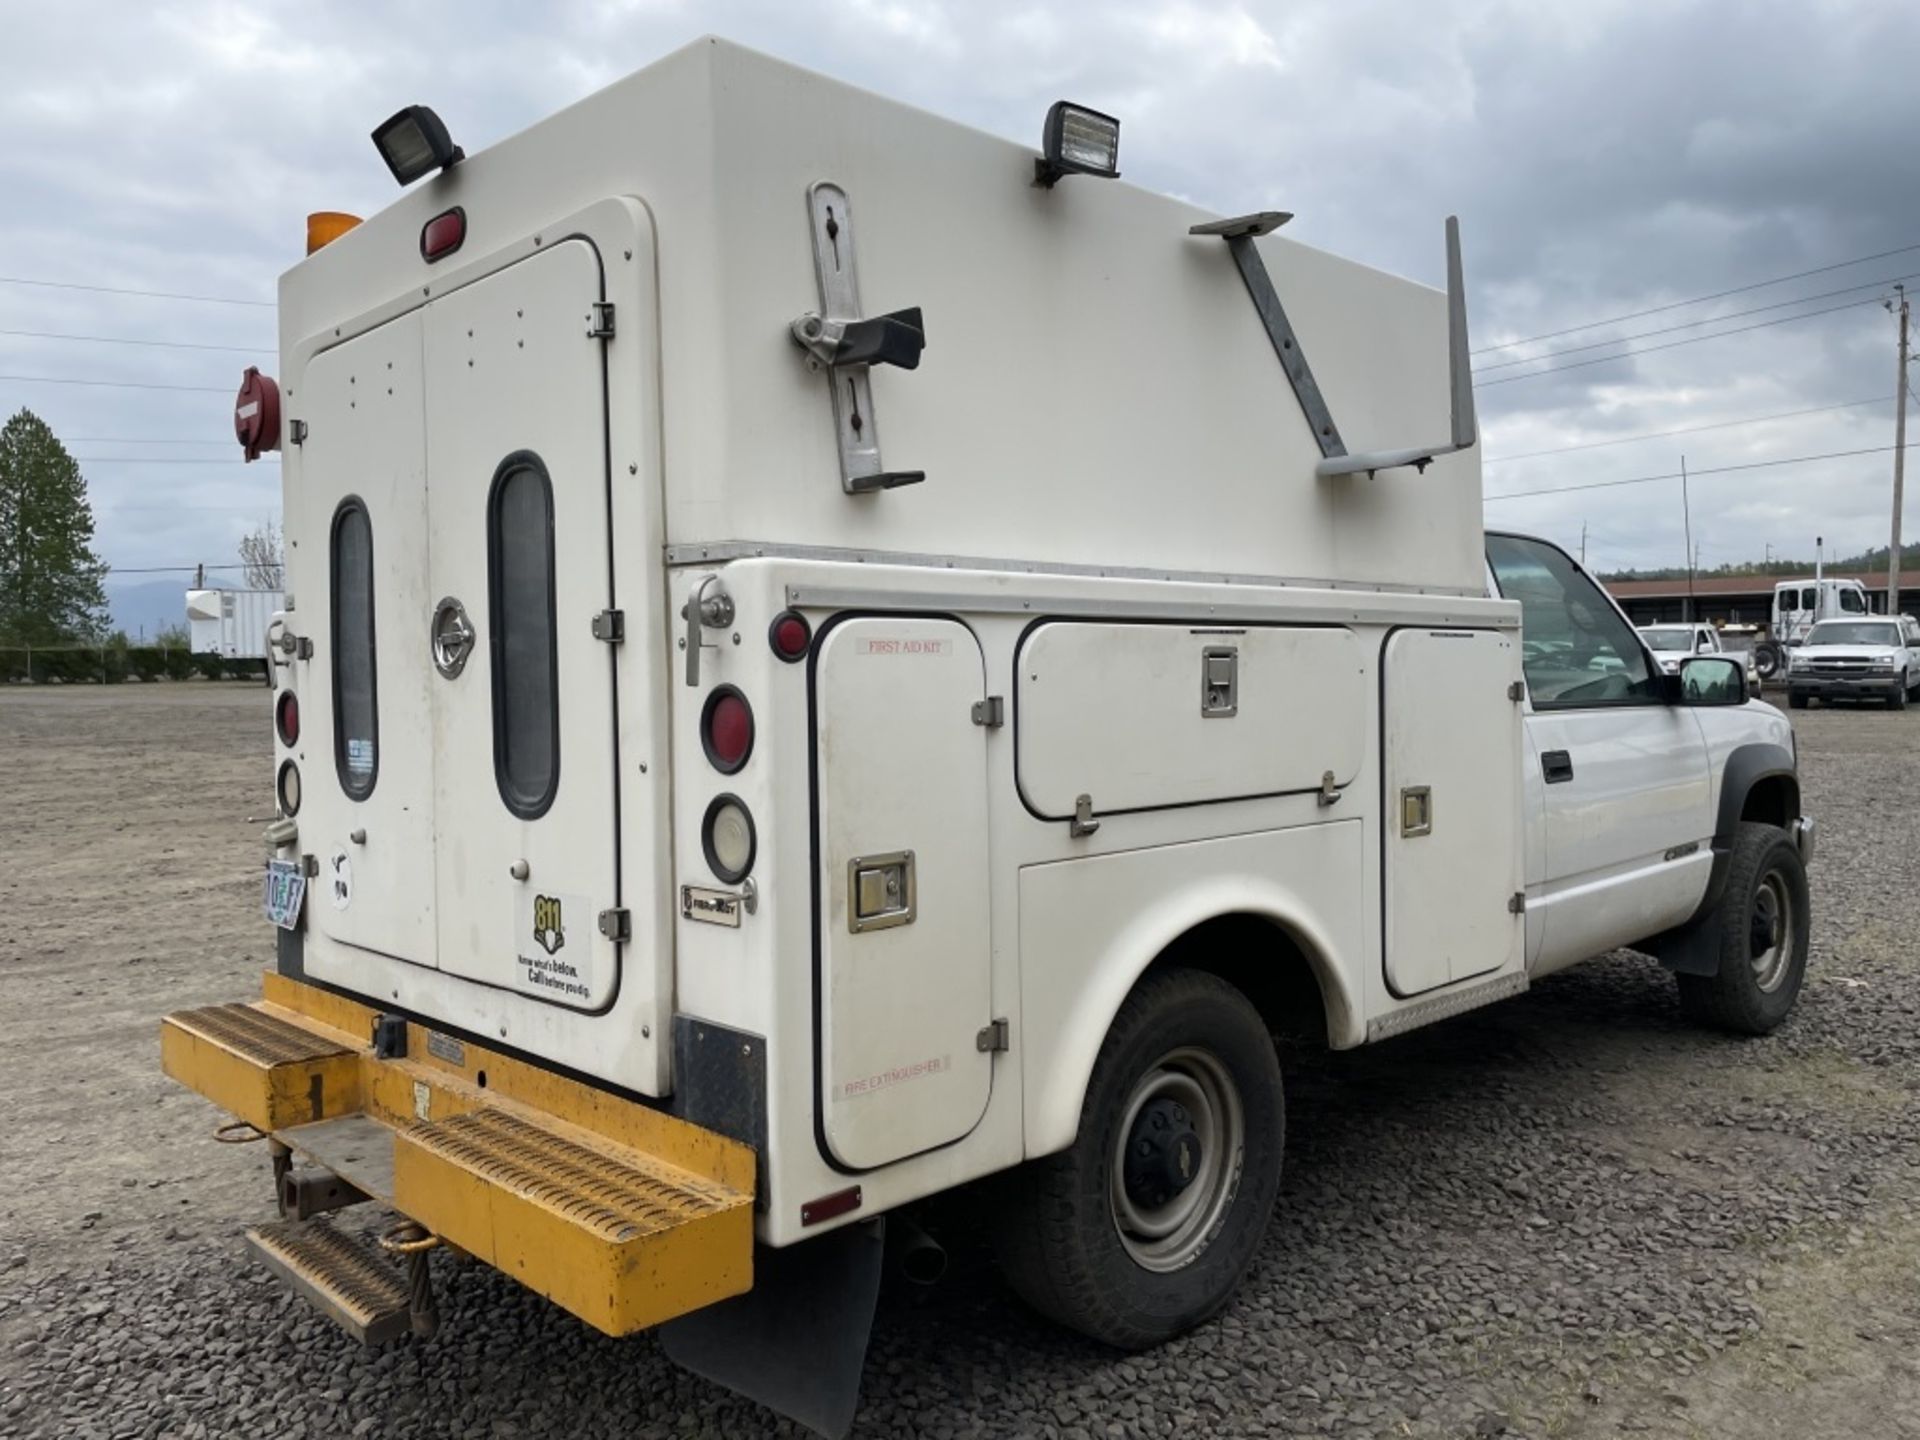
x: 712, y: 839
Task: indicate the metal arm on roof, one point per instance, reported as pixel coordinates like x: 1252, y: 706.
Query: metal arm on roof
x: 1239, y: 234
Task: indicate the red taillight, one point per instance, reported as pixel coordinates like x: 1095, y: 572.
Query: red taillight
x: 726, y: 729
x: 286, y: 717
x: 443, y: 234
x: 790, y: 635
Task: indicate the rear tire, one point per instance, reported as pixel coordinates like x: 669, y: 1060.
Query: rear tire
x: 1796, y: 701
x: 1763, y: 925
x: 1106, y: 1237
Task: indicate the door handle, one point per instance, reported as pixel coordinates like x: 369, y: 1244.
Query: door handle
x: 1557, y: 766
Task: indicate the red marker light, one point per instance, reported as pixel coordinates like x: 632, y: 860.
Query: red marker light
x: 286, y: 716
x: 726, y: 729
x: 790, y: 635
x: 443, y: 234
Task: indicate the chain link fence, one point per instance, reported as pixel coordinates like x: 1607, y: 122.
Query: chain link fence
x: 111, y: 664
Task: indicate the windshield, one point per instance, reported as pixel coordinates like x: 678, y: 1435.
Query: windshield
x: 1669, y: 637
x: 1853, y: 632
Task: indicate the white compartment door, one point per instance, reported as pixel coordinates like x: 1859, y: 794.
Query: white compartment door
x: 366, y: 746
x: 905, y: 983
x: 1451, y: 742
x: 524, y: 765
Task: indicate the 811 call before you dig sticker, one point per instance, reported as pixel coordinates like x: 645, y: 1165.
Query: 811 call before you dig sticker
x: 553, y: 947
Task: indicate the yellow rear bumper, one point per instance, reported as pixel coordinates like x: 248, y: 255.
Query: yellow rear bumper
x: 622, y: 1214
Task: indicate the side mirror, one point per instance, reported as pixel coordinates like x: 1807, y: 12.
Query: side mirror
x: 1711, y: 680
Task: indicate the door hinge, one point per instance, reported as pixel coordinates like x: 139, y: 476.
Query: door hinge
x: 616, y: 925
x: 610, y: 626
x: 993, y: 1036
x: 600, y: 320
x: 1516, y: 692
x: 1517, y: 903
x: 990, y: 712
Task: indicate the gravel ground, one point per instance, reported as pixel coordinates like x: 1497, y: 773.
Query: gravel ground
x: 1566, y: 1215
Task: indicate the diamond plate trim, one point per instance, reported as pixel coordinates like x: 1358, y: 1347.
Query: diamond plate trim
x: 1445, y: 1007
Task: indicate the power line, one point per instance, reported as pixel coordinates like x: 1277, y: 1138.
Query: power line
x: 147, y: 294
x: 1686, y: 324
x: 168, y: 459
x: 127, y: 340
x: 134, y: 440
x: 1675, y: 344
x: 1675, y: 475
x: 1689, y: 430
x: 167, y: 569
x: 1697, y: 300
x: 118, y: 384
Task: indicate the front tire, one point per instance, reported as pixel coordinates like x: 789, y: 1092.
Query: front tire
x: 1144, y: 1226
x: 1763, y: 923
x: 1898, y: 699
x: 1796, y: 700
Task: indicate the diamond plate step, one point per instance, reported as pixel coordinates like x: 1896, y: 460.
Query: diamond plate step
x: 266, y: 1069
x: 619, y: 1237
x: 346, y: 1277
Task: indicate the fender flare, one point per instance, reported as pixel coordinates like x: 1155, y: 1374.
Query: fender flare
x: 1693, y: 946
x: 1056, y: 1086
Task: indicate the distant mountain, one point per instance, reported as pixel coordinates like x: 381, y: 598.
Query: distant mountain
x: 152, y: 605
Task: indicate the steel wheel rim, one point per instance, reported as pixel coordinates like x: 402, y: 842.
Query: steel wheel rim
x: 1171, y: 1236
x: 1770, y: 932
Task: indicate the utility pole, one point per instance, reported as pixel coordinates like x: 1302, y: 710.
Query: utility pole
x: 1899, y: 457
x: 1583, y: 544
x: 1686, y: 516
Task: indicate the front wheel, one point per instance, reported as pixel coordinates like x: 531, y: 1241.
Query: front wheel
x: 1143, y: 1227
x: 1763, y: 924
x: 1898, y: 699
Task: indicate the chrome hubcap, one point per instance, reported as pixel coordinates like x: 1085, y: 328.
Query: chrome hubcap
x: 1770, y: 932
x: 1178, y: 1162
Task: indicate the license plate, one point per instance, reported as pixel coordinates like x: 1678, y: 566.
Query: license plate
x: 286, y: 887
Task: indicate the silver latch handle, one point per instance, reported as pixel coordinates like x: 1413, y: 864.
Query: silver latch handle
x: 704, y: 610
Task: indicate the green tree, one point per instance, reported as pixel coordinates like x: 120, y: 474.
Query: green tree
x: 49, y: 576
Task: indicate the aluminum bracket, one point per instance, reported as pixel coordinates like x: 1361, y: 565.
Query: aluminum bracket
x: 855, y: 428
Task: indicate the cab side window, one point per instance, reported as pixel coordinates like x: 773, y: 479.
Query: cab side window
x: 1851, y: 603
x: 1577, y: 651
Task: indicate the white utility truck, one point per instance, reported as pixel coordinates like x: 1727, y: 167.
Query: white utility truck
x: 831, y: 658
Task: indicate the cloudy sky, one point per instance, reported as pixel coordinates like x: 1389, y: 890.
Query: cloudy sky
x: 1606, y: 159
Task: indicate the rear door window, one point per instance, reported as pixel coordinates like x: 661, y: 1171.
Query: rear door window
x: 526, y: 686
x: 356, y: 717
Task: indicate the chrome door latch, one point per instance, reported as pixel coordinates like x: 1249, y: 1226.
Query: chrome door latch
x: 1329, y: 792
x: 881, y: 891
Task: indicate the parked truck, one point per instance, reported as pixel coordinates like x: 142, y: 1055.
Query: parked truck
x: 233, y: 623
x: 836, y: 658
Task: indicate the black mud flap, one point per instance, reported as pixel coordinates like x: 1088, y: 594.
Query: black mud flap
x: 797, y: 1342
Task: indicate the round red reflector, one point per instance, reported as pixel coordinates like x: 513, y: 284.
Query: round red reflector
x: 256, y: 414
x: 790, y: 635
x: 726, y: 729
x: 286, y: 714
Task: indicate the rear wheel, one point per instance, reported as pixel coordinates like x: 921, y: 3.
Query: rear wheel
x: 1796, y: 700
x: 1763, y: 923
x: 1766, y: 660
x: 1144, y: 1226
